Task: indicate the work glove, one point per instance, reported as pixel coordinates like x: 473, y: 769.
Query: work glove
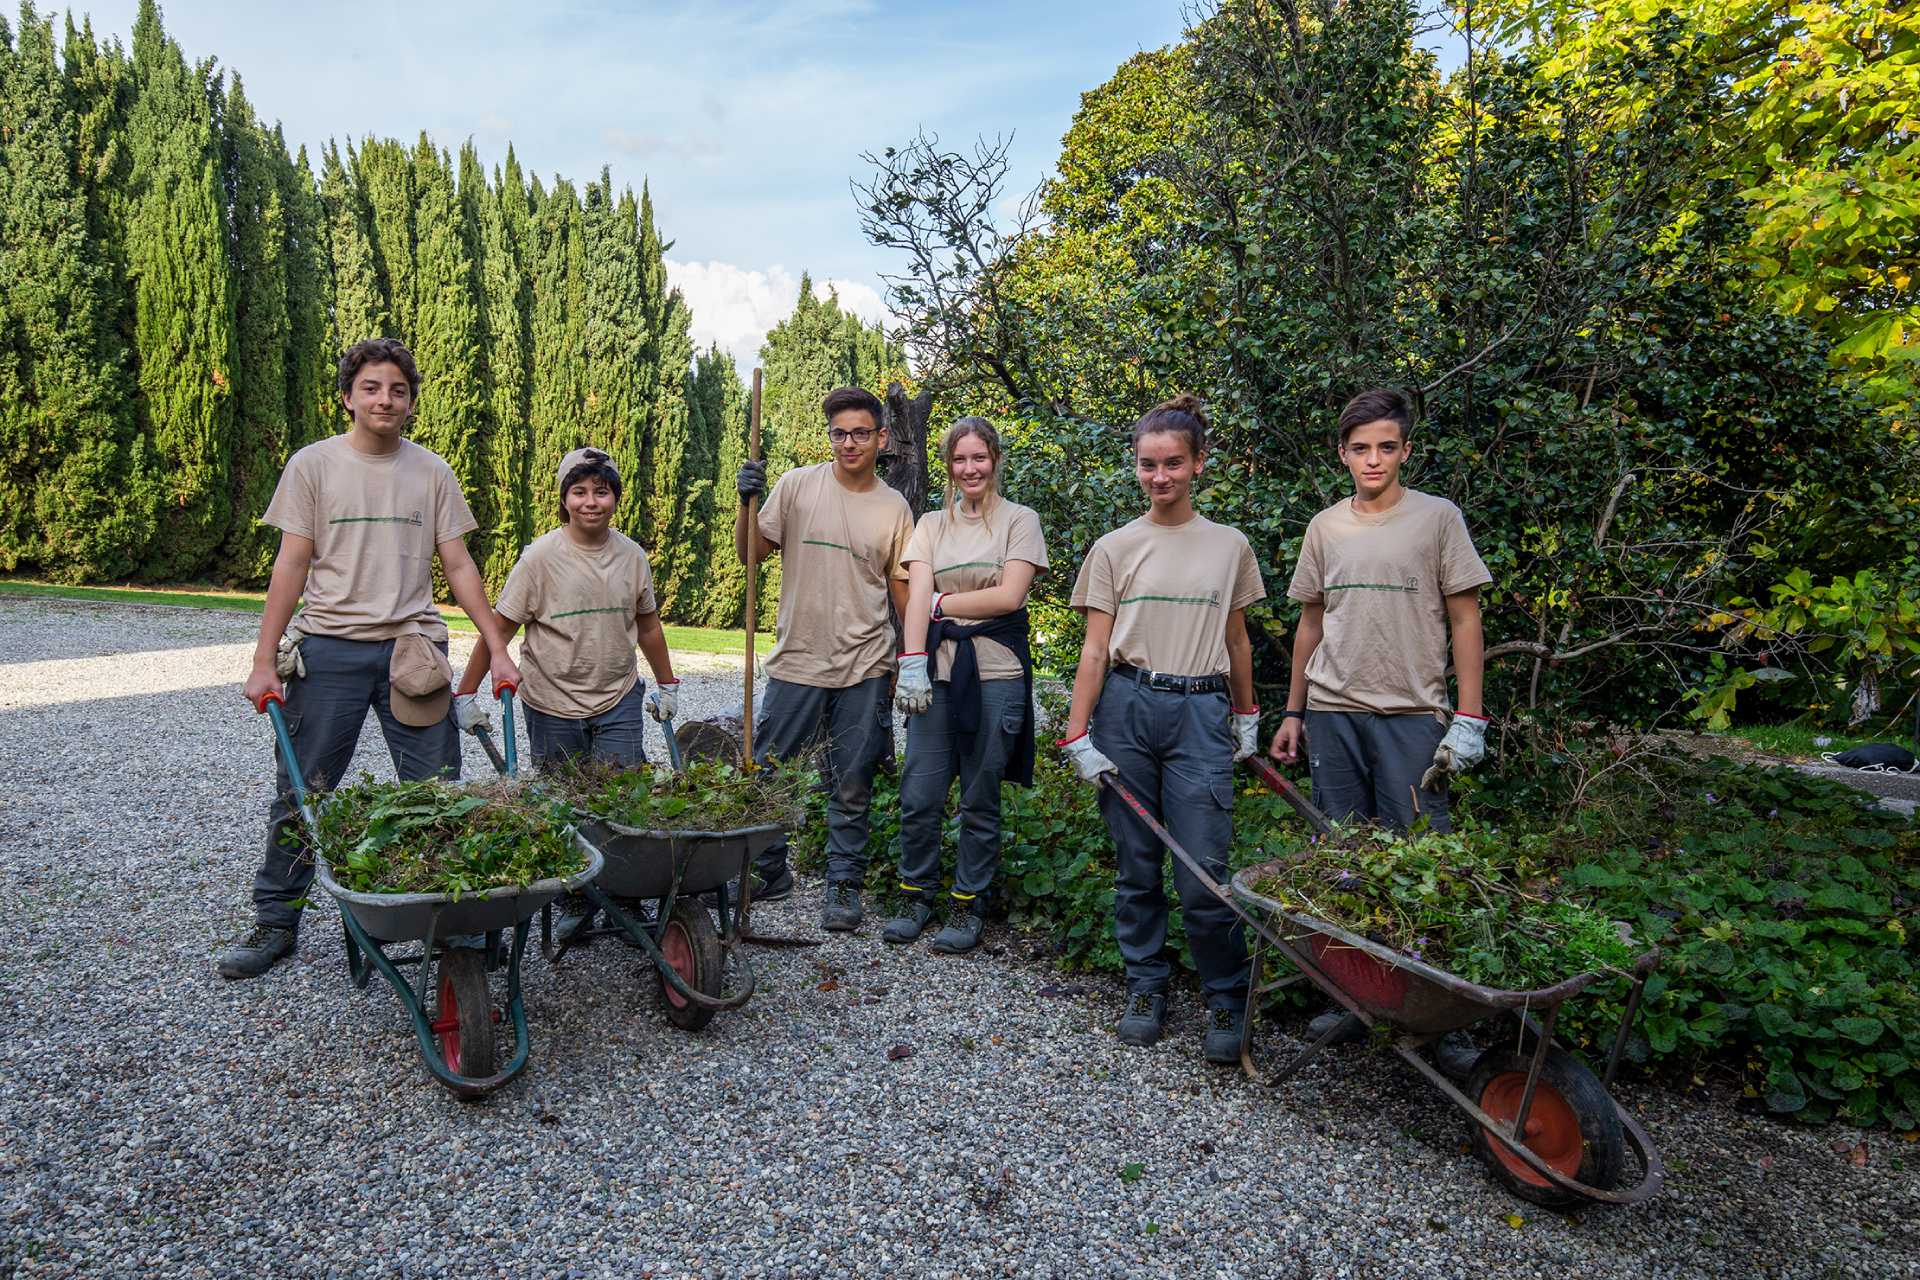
x: 913, y: 692
x: 1246, y: 733
x: 664, y: 699
x: 1462, y: 748
x: 1088, y: 760
x: 471, y: 713
x: 752, y: 480
x: 287, y: 661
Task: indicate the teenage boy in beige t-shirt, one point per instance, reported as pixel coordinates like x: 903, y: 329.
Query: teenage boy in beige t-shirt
x: 840, y: 532
x: 584, y: 591
x: 361, y: 517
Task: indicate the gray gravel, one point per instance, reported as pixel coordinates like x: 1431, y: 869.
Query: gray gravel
x: 156, y: 1120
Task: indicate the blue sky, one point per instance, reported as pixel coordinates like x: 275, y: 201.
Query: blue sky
x: 747, y: 119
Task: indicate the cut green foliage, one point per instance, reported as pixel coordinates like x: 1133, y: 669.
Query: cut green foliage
x: 707, y: 796
x: 1479, y: 904
x: 439, y: 837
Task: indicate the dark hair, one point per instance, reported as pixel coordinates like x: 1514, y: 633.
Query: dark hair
x: 377, y: 351
x: 588, y: 471
x: 1181, y: 414
x: 841, y: 399
x: 1374, y: 405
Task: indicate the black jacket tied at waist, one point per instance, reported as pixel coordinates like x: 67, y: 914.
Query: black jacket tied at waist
x: 963, y: 682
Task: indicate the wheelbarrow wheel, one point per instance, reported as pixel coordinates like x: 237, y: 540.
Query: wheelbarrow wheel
x: 463, y: 1023
x: 691, y: 945
x: 1572, y: 1125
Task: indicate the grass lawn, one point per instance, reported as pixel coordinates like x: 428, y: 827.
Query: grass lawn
x: 679, y: 639
x: 1796, y: 741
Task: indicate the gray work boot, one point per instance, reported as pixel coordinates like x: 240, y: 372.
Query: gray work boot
x: 911, y: 922
x: 256, y: 953
x: 1455, y: 1054
x: 1140, y: 1024
x: 1325, y: 1022
x: 1222, y: 1044
x: 963, y: 930
x: 840, y: 909
x: 774, y: 889
x: 576, y: 918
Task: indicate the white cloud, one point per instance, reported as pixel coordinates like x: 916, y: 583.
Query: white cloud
x: 735, y: 306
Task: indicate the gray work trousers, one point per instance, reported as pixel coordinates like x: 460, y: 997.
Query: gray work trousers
x: 1175, y: 753
x: 616, y: 736
x: 325, y: 710
x: 856, y: 722
x: 933, y: 760
x: 1366, y: 768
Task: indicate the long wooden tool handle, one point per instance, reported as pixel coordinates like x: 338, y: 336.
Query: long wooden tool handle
x: 753, y: 573
x: 1277, y: 783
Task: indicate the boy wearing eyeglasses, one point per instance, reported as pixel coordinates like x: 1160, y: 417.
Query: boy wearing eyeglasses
x: 840, y: 533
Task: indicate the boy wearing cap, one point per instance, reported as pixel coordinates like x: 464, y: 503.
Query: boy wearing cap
x: 584, y: 591
x: 840, y: 533
x: 361, y: 517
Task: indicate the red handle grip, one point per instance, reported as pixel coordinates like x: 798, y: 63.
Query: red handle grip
x: 265, y: 698
x: 505, y: 686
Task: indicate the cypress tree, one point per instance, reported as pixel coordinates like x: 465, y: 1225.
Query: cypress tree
x: 722, y: 404
x: 506, y: 302
x: 257, y: 243
x: 558, y: 336
x: 183, y: 297
x: 383, y: 170
x: 76, y: 492
x: 100, y: 79
x: 671, y: 480
x: 359, y: 292
x: 616, y: 369
x: 313, y: 408
x: 452, y: 416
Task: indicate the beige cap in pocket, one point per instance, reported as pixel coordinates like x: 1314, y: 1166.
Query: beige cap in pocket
x: 419, y: 681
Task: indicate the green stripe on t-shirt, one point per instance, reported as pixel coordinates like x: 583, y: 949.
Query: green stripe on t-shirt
x: 820, y: 542
x: 972, y: 564
x: 375, y: 520
x: 1171, y: 599
x: 1371, y: 586
x: 574, y: 613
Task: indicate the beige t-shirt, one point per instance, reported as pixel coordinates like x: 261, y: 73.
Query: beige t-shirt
x: 1170, y: 590
x: 1384, y: 579
x: 969, y: 554
x: 581, y: 611
x: 838, y: 551
x: 374, y: 521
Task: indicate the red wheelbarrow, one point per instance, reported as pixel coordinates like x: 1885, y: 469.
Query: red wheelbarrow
x: 1538, y: 1118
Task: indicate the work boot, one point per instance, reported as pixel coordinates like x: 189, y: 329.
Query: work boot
x: 840, y: 909
x: 1323, y: 1022
x: 1222, y: 1044
x: 256, y: 953
x: 1455, y: 1053
x: 773, y: 890
x: 576, y: 919
x: 911, y: 922
x: 1140, y: 1024
x: 963, y: 930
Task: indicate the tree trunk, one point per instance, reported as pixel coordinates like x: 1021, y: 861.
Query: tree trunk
x: 905, y: 457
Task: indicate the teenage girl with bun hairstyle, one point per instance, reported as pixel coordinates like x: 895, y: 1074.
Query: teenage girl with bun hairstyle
x: 969, y: 567
x: 1163, y: 700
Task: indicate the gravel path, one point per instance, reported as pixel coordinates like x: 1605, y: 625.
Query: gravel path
x: 156, y: 1120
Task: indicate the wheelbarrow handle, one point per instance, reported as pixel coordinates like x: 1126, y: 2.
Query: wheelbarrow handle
x: 673, y: 745
x: 1112, y: 783
x: 505, y: 691
x: 271, y: 705
x: 1278, y: 783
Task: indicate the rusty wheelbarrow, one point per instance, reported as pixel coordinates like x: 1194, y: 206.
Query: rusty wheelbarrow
x: 1538, y: 1118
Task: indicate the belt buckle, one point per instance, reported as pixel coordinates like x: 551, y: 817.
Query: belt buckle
x: 1165, y: 683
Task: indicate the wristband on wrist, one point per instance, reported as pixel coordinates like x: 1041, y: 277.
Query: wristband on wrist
x: 1299, y: 715
x: 938, y: 596
x: 1064, y: 742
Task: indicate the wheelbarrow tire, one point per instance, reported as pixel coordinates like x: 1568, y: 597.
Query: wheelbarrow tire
x: 1572, y: 1125
x: 691, y: 945
x: 464, y: 1020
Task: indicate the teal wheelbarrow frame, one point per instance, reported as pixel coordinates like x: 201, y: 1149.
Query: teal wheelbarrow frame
x: 451, y: 1040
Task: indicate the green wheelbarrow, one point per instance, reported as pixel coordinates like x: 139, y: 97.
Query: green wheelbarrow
x: 455, y: 1028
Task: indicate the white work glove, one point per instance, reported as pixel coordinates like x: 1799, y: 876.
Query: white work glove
x: 1088, y: 761
x: 913, y: 692
x: 1246, y: 733
x: 471, y: 713
x: 1463, y: 747
x: 287, y: 660
x: 664, y: 699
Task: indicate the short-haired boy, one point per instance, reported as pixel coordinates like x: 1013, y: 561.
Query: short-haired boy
x: 361, y: 517
x: 840, y: 533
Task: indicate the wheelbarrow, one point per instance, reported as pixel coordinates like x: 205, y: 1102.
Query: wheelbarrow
x: 676, y: 873
x: 456, y: 1040
x: 1538, y: 1118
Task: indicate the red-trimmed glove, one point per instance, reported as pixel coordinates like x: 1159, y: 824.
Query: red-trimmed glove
x: 665, y: 697
x: 1246, y: 733
x: 913, y: 691
x: 1088, y: 760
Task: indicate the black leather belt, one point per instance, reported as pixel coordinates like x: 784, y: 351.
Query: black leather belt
x: 1172, y: 684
